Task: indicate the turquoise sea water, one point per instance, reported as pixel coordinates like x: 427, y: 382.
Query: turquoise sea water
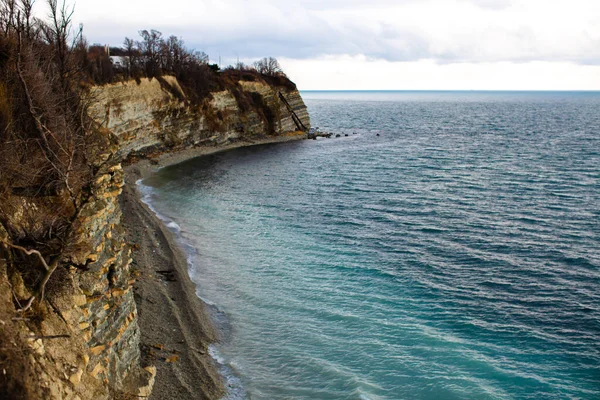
x: 455, y: 256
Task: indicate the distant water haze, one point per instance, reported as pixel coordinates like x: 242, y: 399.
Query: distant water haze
x: 454, y: 256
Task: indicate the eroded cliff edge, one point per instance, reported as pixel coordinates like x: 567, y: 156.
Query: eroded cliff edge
x: 155, y: 116
x: 83, y: 340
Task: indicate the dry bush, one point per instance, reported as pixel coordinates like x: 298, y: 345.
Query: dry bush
x: 280, y: 80
x: 48, y: 143
x: 199, y: 81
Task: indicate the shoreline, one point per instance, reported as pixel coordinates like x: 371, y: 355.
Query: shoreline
x: 147, y: 166
x: 176, y: 329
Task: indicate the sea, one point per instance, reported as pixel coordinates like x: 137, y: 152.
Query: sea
x: 445, y: 246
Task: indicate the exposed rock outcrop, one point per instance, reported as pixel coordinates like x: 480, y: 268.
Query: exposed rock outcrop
x: 83, y: 341
x: 152, y: 116
x: 85, y: 344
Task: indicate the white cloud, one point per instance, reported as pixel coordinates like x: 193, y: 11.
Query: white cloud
x: 459, y: 33
x: 360, y: 73
x: 446, y: 30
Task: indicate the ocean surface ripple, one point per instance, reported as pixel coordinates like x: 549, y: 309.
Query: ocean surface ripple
x: 455, y: 256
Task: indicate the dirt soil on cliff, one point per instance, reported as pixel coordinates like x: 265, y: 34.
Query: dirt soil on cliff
x: 175, y: 327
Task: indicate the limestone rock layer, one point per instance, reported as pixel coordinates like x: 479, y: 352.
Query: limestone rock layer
x: 96, y: 354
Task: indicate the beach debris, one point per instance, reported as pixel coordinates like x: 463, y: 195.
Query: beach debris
x: 172, y: 359
x: 159, y: 346
x: 168, y: 275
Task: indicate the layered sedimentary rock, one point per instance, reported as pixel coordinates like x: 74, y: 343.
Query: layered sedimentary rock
x: 155, y: 115
x: 87, y: 344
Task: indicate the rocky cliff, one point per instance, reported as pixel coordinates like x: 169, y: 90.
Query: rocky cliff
x: 83, y: 340
x: 155, y: 116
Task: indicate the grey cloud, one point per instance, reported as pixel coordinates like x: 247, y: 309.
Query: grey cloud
x: 300, y: 31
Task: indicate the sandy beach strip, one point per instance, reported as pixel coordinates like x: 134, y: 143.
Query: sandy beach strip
x: 175, y: 326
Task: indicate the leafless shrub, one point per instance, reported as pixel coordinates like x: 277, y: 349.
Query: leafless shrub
x: 45, y: 139
x: 268, y: 66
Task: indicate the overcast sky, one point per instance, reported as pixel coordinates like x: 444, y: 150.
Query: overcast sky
x: 379, y: 44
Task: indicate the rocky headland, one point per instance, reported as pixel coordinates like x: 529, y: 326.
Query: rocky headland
x: 120, y: 317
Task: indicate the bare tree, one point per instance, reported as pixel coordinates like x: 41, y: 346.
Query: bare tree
x: 11, y: 10
x: 200, y: 57
x: 175, y: 55
x: 8, y: 14
x: 45, y: 141
x: 150, y: 47
x: 26, y: 7
x: 131, y: 52
x: 268, y: 66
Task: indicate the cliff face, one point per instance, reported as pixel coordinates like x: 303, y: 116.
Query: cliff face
x: 86, y: 344
x: 155, y: 116
x: 85, y: 341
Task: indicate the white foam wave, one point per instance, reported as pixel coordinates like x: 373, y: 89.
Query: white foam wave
x: 235, y: 390
x: 174, y: 226
x: 205, y: 300
x: 147, y: 195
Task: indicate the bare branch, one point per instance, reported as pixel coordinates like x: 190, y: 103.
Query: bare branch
x: 34, y: 337
x: 50, y: 268
x: 28, y: 252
